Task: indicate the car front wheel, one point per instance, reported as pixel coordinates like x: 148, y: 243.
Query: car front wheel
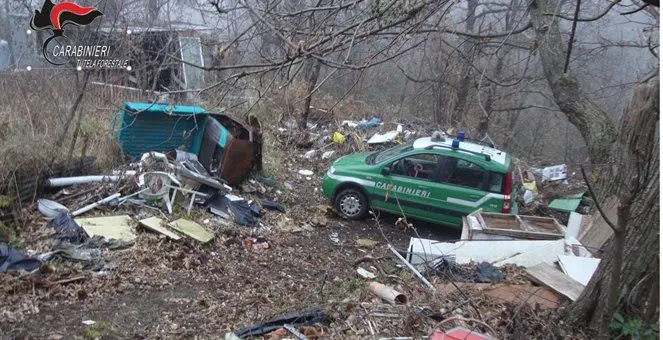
x: 351, y: 204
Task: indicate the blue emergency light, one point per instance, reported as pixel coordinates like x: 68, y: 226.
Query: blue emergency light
x: 455, y: 144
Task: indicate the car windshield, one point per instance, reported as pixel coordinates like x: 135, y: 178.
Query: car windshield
x: 383, y: 155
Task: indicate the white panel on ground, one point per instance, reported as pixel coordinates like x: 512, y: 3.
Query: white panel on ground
x: 573, y: 227
x: 580, y: 269
x: 521, y: 252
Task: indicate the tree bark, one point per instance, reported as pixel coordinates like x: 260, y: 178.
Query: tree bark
x: 441, y: 102
x: 635, y: 170
x: 464, y: 87
x: 596, y: 127
x: 312, y: 74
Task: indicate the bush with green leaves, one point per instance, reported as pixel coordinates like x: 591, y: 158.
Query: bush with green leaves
x: 633, y: 328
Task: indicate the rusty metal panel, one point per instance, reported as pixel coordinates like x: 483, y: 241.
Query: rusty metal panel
x: 237, y: 161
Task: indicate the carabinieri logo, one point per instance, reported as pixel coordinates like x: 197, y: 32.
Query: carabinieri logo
x: 56, y: 49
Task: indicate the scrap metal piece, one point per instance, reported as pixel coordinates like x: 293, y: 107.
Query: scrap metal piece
x: 415, y: 271
x: 295, y: 332
x: 67, y: 181
x: 95, y: 204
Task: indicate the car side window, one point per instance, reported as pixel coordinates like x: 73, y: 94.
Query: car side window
x: 419, y: 166
x: 495, y: 184
x: 464, y: 173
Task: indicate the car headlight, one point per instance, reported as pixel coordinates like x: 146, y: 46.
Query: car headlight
x: 331, y: 170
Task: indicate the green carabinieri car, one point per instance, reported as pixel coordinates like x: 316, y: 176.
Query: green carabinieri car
x: 437, y: 179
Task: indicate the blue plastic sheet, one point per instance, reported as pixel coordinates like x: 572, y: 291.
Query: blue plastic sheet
x: 12, y: 260
x: 373, y: 122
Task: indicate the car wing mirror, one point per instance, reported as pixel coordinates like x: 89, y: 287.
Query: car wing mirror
x: 385, y: 171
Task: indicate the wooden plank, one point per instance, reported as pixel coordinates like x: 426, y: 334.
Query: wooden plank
x: 110, y: 227
x: 192, y: 229
x: 598, y: 232
x: 156, y: 224
x: 552, y: 278
x: 525, y: 293
x: 465, y: 233
x: 522, y: 234
x: 525, y: 227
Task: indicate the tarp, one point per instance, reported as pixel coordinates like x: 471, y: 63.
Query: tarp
x: 243, y: 213
x: 12, y: 259
x: 67, y: 229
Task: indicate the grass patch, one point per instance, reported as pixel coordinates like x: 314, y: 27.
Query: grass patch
x: 273, y: 157
x: 7, y: 234
x: 98, y: 330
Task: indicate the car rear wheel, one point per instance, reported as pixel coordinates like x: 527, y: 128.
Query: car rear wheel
x: 351, y: 204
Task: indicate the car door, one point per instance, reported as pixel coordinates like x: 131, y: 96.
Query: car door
x: 466, y: 183
x: 411, y: 187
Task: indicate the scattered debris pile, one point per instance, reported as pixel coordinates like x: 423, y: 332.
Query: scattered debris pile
x: 327, y: 140
x: 216, y: 249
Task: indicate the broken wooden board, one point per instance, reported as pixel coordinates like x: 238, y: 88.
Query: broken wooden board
x: 156, y: 224
x: 111, y: 227
x: 580, y: 269
x: 529, y: 294
x: 554, y: 279
x: 192, y: 229
x: 444, y: 289
x: 597, y: 232
x: 521, y: 227
x: 472, y: 229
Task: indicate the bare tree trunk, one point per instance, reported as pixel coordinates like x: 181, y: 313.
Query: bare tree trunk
x: 635, y: 158
x: 636, y: 169
x: 484, y: 123
x: 464, y: 87
x: 594, y: 124
x: 441, y: 102
x: 313, y: 72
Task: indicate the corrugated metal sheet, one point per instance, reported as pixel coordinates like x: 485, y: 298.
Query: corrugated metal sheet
x: 149, y: 127
x: 160, y: 127
x: 161, y: 108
